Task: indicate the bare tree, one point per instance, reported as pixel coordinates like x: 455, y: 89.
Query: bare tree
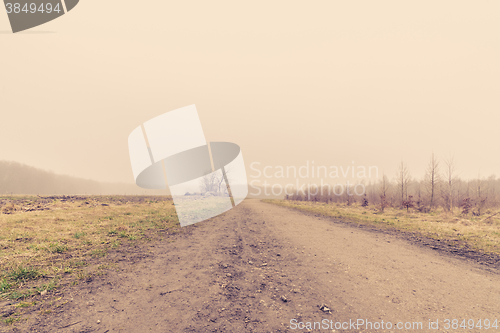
x: 209, y: 183
x: 492, y: 190
x: 224, y: 177
x: 349, y: 194
x: 432, y: 179
x: 403, y: 180
x: 419, y: 203
x: 481, y: 195
x: 450, y: 170
x: 384, y: 188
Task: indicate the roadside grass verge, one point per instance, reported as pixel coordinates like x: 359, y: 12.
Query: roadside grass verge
x: 481, y: 233
x: 46, y: 242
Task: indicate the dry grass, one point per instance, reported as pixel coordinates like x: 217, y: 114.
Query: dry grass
x: 45, y: 242
x: 479, y: 233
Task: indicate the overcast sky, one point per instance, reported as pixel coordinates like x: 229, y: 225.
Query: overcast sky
x: 374, y: 82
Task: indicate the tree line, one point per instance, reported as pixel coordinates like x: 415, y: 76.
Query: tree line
x: 439, y: 188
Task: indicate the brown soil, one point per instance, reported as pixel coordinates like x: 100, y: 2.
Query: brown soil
x: 258, y: 266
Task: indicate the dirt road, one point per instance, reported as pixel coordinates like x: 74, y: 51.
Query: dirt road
x: 258, y: 267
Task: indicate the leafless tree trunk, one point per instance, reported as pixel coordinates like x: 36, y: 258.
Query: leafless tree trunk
x: 450, y: 169
x: 209, y: 183
x: 403, y: 179
x: 481, y: 197
x: 432, y: 179
x: 348, y: 194
x: 384, y: 188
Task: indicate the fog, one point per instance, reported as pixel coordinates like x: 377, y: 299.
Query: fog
x: 338, y: 83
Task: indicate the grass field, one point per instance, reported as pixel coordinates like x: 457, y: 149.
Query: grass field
x: 481, y: 233
x: 48, y: 242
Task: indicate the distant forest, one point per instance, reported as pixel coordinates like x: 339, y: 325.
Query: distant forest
x: 17, y: 178
x: 439, y: 188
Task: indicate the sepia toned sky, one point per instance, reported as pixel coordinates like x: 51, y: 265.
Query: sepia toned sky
x: 374, y: 82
